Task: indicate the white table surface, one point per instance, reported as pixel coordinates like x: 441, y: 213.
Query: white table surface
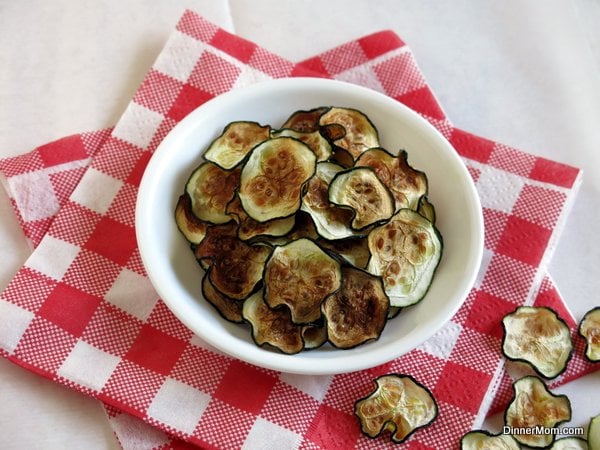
x: 522, y: 72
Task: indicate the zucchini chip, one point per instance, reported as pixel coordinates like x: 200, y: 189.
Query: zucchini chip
x: 406, y: 184
x: 211, y: 188
x: 589, y: 329
x: 273, y: 176
x: 593, y: 436
x: 304, y: 227
x: 331, y: 221
x: 192, y: 228
x: 484, y: 440
x: 537, y: 336
x: 394, y: 311
x: 314, y: 336
x: 398, y: 404
x: 315, y: 141
x: 426, y: 209
x: 305, y: 121
x: 360, y: 133
x: 361, y: 190
x: 272, y: 326
x: 249, y: 228
x: 300, y: 275
x: 534, y: 408
x: 354, y: 251
x: 236, y: 141
x: 570, y: 443
x: 234, y: 267
x: 405, y: 252
x: 357, y: 312
x: 229, y: 308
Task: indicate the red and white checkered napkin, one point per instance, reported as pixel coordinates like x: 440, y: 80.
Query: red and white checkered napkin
x: 82, y: 312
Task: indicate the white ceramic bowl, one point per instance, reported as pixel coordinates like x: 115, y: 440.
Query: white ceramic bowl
x: 176, y: 276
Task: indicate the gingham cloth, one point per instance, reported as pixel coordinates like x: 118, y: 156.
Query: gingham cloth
x: 82, y: 312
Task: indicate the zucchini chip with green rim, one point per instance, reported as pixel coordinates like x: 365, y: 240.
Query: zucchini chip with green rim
x: 484, y: 440
x: 360, y: 133
x: 305, y: 121
x: 589, y: 329
x: 331, y: 221
x: 192, y: 228
x: 361, y: 190
x: 537, y: 336
x: 315, y: 141
x: 272, y: 326
x: 405, y: 252
x: 301, y: 275
x: 357, y: 312
x: 211, y: 188
x: 236, y: 141
x: 570, y: 443
x: 593, y: 436
x: 273, y: 176
x: 534, y: 408
x: 398, y: 404
x: 406, y: 184
x: 234, y: 267
x: 229, y: 308
x: 249, y: 228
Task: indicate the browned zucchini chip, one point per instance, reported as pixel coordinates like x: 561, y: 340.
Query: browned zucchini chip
x: 229, y: 308
x: 235, y: 267
x: 272, y: 326
x: 406, y: 184
x: 313, y: 336
x: 534, y: 412
x: 405, y: 252
x: 589, y: 329
x: 354, y: 250
x: 315, y: 141
x: 249, y: 228
x: 570, y: 443
x: 331, y: 221
x: 361, y: 190
x: 190, y: 226
x: 484, y: 440
x: 273, y: 176
x: 305, y: 121
x: 210, y: 189
x: 236, y: 141
x: 300, y: 275
x: 537, y: 336
x: 357, y: 312
x: 341, y: 157
x: 360, y: 133
x: 398, y: 404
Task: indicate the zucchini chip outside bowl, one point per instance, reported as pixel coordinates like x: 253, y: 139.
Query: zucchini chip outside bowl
x: 177, y: 276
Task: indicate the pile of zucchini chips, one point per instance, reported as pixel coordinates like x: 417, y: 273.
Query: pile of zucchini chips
x: 310, y: 232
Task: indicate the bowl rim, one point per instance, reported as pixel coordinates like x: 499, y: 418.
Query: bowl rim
x: 345, y: 362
